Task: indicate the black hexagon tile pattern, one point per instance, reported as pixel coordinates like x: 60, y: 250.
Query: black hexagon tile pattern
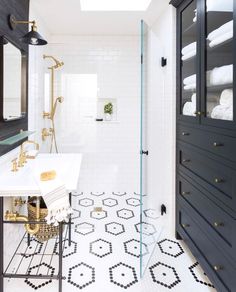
x: 164, y: 275
x: 81, y: 275
x: 106, y: 250
x: 125, y: 213
x: 123, y: 275
x: 100, y: 248
x: 170, y: 247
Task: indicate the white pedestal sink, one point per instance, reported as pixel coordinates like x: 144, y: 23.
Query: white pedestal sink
x: 22, y: 182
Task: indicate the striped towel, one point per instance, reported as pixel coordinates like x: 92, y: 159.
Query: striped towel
x: 56, y: 198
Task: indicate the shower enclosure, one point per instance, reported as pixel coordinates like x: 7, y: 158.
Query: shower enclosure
x: 150, y: 217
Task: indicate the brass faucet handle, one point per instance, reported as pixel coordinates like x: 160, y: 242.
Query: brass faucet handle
x: 11, y: 215
x: 46, y: 115
x: 19, y: 202
x: 24, y: 157
x: 14, y: 165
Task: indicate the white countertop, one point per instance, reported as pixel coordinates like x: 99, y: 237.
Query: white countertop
x: 22, y: 182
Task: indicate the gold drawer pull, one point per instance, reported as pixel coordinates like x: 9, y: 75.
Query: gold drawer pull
x: 186, y: 160
x: 217, y: 144
x: 218, y: 180
x: 218, y: 268
x: 185, y: 193
x: 218, y: 224
x: 199, y: 113
x: 185, y: 225
x: 185, y: 134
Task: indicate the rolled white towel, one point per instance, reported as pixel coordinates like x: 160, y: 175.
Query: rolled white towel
x: 226, y: 97
x: 222, y: 112
x: 220, y: 75
x: 189, y: 109
x: 189, y: 48
x: 221, y: 39
x: 210, y: 106
x: 190, y: 87
x: 190, y: 80
x: 189, y: 55
x: 195, y: 17
x: 225, y: 28
x: 220, y: 5
x: 194, y: 99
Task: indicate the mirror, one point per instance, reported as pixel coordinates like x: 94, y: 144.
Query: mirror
x: 13, y: 104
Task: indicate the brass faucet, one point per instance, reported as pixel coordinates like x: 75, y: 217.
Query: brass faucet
x: 15, y: 216
x: 23, y: 154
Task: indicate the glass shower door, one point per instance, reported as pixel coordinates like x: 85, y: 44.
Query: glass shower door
x: 150, y: 217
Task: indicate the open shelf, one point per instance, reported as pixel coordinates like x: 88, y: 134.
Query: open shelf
x: 16, y: 138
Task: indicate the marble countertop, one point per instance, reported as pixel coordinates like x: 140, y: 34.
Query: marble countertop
x: 22, y: 182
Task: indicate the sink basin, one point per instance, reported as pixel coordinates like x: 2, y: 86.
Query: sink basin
x: 22, y: 182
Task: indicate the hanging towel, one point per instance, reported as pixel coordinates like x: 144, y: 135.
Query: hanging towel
x: 220, y: 5
x: 56, y: 198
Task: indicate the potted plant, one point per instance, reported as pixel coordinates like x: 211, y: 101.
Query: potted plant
x: 108, y: 111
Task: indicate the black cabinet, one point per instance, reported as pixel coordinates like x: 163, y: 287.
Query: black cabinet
x: 206, y: 136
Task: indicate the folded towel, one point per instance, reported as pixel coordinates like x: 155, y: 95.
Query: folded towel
x: 220, y: 75
x: 189, y: 48
x: 189, y: 109
x: 221, y: 39
x: 225, y: 28
x: 56, y: 198
x: 189, y: 55
x: 190, y: 87
x: 222, y: 112
x: 220, y: 5
x: 190, y: 80
x: 226, y: 97
x: 210, y: 106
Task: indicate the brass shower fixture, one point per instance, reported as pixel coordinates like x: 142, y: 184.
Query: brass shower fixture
x: 50, y: 115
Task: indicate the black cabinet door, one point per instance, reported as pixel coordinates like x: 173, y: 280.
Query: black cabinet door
x: 188, y: 47
x: 218, y: 63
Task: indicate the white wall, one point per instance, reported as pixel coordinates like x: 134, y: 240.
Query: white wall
x: 161, y: 114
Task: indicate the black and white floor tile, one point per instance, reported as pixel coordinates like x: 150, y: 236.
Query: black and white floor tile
x: 105, y: 252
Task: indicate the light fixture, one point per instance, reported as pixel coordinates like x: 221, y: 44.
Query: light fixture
x: 32, y: 37
x: 114, y: 5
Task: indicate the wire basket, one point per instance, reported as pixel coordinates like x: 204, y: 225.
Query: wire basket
x: 46, y: 231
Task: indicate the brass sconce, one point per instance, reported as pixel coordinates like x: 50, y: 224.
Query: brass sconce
x: 32, y: 37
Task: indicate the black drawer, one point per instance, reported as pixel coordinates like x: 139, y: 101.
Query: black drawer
x: 219, y: 269
x: 219, y: 179
x: 222, y: 225
x: 220, y: 145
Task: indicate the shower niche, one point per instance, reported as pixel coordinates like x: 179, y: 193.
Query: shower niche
x: 107, y: 110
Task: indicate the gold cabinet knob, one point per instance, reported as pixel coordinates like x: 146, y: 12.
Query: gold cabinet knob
x: 197, y: 113
x: 218, y: 268
x: 218, y: 224
x: 218, y: 180
x: 185, y: 225
x: 185, y: 193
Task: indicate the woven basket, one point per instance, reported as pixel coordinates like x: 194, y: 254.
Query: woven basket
x: 46, y: 231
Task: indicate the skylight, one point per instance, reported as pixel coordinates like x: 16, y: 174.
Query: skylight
x: 114, y: 5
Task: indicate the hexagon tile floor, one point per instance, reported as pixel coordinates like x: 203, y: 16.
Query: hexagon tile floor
x: 105, y: 252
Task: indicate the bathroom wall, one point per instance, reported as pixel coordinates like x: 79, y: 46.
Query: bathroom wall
x: 161, y: 115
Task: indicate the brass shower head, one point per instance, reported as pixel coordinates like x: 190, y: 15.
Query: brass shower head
x: 57, y: 63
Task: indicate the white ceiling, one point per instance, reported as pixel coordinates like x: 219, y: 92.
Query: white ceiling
x: 65, y: 17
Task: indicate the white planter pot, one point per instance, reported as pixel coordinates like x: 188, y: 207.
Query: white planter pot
x: 108, y: 117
